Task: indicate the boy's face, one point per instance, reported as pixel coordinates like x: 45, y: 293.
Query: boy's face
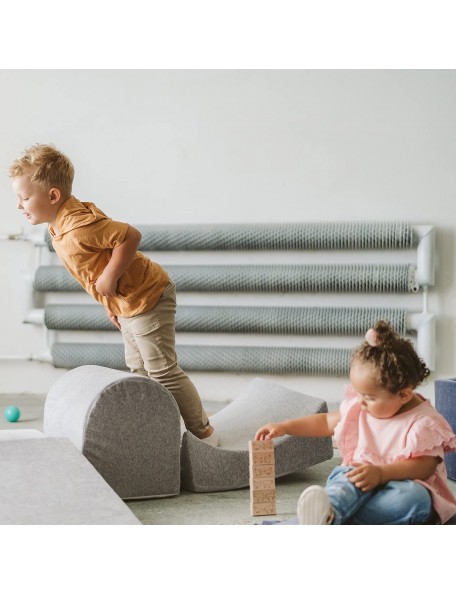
x: 34, y: 202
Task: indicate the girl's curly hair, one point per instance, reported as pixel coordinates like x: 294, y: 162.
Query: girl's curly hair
x: 393, y: 358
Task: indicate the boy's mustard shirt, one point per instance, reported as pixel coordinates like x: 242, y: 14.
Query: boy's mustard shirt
x: 84, y: 241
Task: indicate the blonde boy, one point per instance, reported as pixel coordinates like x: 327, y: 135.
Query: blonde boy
x: 136, y: 293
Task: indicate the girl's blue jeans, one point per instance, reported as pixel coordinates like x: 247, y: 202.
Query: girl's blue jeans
x: 397, y: 502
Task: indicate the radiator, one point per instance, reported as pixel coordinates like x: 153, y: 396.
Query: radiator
x: 366, y: 279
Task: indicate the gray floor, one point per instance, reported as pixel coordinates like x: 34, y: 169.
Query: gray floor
x: 225, y: 508
x: 228, y: 507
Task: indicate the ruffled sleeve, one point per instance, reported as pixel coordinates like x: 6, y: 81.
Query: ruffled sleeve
x: 350, y: 397
x: 429, y: 436
x: 346, y: 430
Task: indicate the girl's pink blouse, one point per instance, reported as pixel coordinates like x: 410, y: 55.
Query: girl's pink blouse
x: 421, y: 431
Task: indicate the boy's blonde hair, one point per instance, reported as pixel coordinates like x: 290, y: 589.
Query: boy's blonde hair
x: 46, y: 166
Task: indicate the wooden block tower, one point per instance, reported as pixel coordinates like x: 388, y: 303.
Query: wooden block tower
x: 262, y: 478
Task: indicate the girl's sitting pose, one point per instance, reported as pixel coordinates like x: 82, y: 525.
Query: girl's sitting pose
x: 392, y: 441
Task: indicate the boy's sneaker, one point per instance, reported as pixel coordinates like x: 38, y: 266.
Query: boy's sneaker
x: 314, y: 506
x: 213, y: 439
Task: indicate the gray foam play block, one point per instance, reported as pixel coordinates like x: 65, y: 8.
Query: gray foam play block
x: 206, y: 468
x: 128, y: 427
x: 48, y: 481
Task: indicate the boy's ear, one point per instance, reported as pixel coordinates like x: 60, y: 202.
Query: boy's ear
x: 55, y: 195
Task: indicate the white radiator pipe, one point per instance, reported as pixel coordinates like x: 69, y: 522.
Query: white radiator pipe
x: 45, y: 357
x: 37, y: 238
x: 424, y: 325
x: 34, y: 316
x: 425, y: 255
x: 28, y: 295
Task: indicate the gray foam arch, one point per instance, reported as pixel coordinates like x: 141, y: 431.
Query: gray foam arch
x: 127, y: 426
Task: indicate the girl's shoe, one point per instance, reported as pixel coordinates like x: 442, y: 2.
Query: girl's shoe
x: 314, y: 506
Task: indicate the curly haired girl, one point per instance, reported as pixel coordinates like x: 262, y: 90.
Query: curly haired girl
x: 391, y: 438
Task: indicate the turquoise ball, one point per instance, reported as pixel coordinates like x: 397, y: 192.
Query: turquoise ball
x: 12, y: 414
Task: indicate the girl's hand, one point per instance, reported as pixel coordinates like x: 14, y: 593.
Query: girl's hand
x: 113, y: 318
x: 365, y: 476
x: 105, y: 285
x: 269, y: 431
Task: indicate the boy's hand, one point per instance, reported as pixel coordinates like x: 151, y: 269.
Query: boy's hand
x: 113, y: 318
x: 269, y: 431
x: 365, y: 476
x: 106, y: 286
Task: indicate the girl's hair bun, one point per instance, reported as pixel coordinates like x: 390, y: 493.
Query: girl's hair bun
x: 371, y: 337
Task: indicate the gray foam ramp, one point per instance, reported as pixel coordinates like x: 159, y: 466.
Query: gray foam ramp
x: 206, y: 468
x: 48, y: 481
x: 127, y: 426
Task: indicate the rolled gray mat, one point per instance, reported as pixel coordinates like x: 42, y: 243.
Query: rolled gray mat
x: 339, y: 235
x: 273, y: 360
x: 241, y: 319
x: 354, y: 278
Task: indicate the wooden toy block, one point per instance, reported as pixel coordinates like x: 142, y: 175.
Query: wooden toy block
x: 262, y: 509
x: 259, y: 484
x: 262, y: 458
x: 267, y: 470
x: 261, y: 446
x: 262, y: 478
x: 268, y: 496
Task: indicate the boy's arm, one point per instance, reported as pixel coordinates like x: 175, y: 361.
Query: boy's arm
x: 319, y: 425
x: 122, y: 257
x: 368, y: 476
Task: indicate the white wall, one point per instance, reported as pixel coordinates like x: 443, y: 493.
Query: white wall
x: 235, y: 146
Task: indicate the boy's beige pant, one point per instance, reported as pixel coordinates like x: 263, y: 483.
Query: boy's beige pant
x: 149, y: 340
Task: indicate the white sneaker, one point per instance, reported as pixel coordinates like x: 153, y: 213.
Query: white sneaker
x: 213, y: 439
x: 314, y: 506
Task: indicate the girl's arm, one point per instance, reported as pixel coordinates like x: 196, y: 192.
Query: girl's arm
x: 368, y: 476
x: 122, y: 257
x: 319, y: 425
